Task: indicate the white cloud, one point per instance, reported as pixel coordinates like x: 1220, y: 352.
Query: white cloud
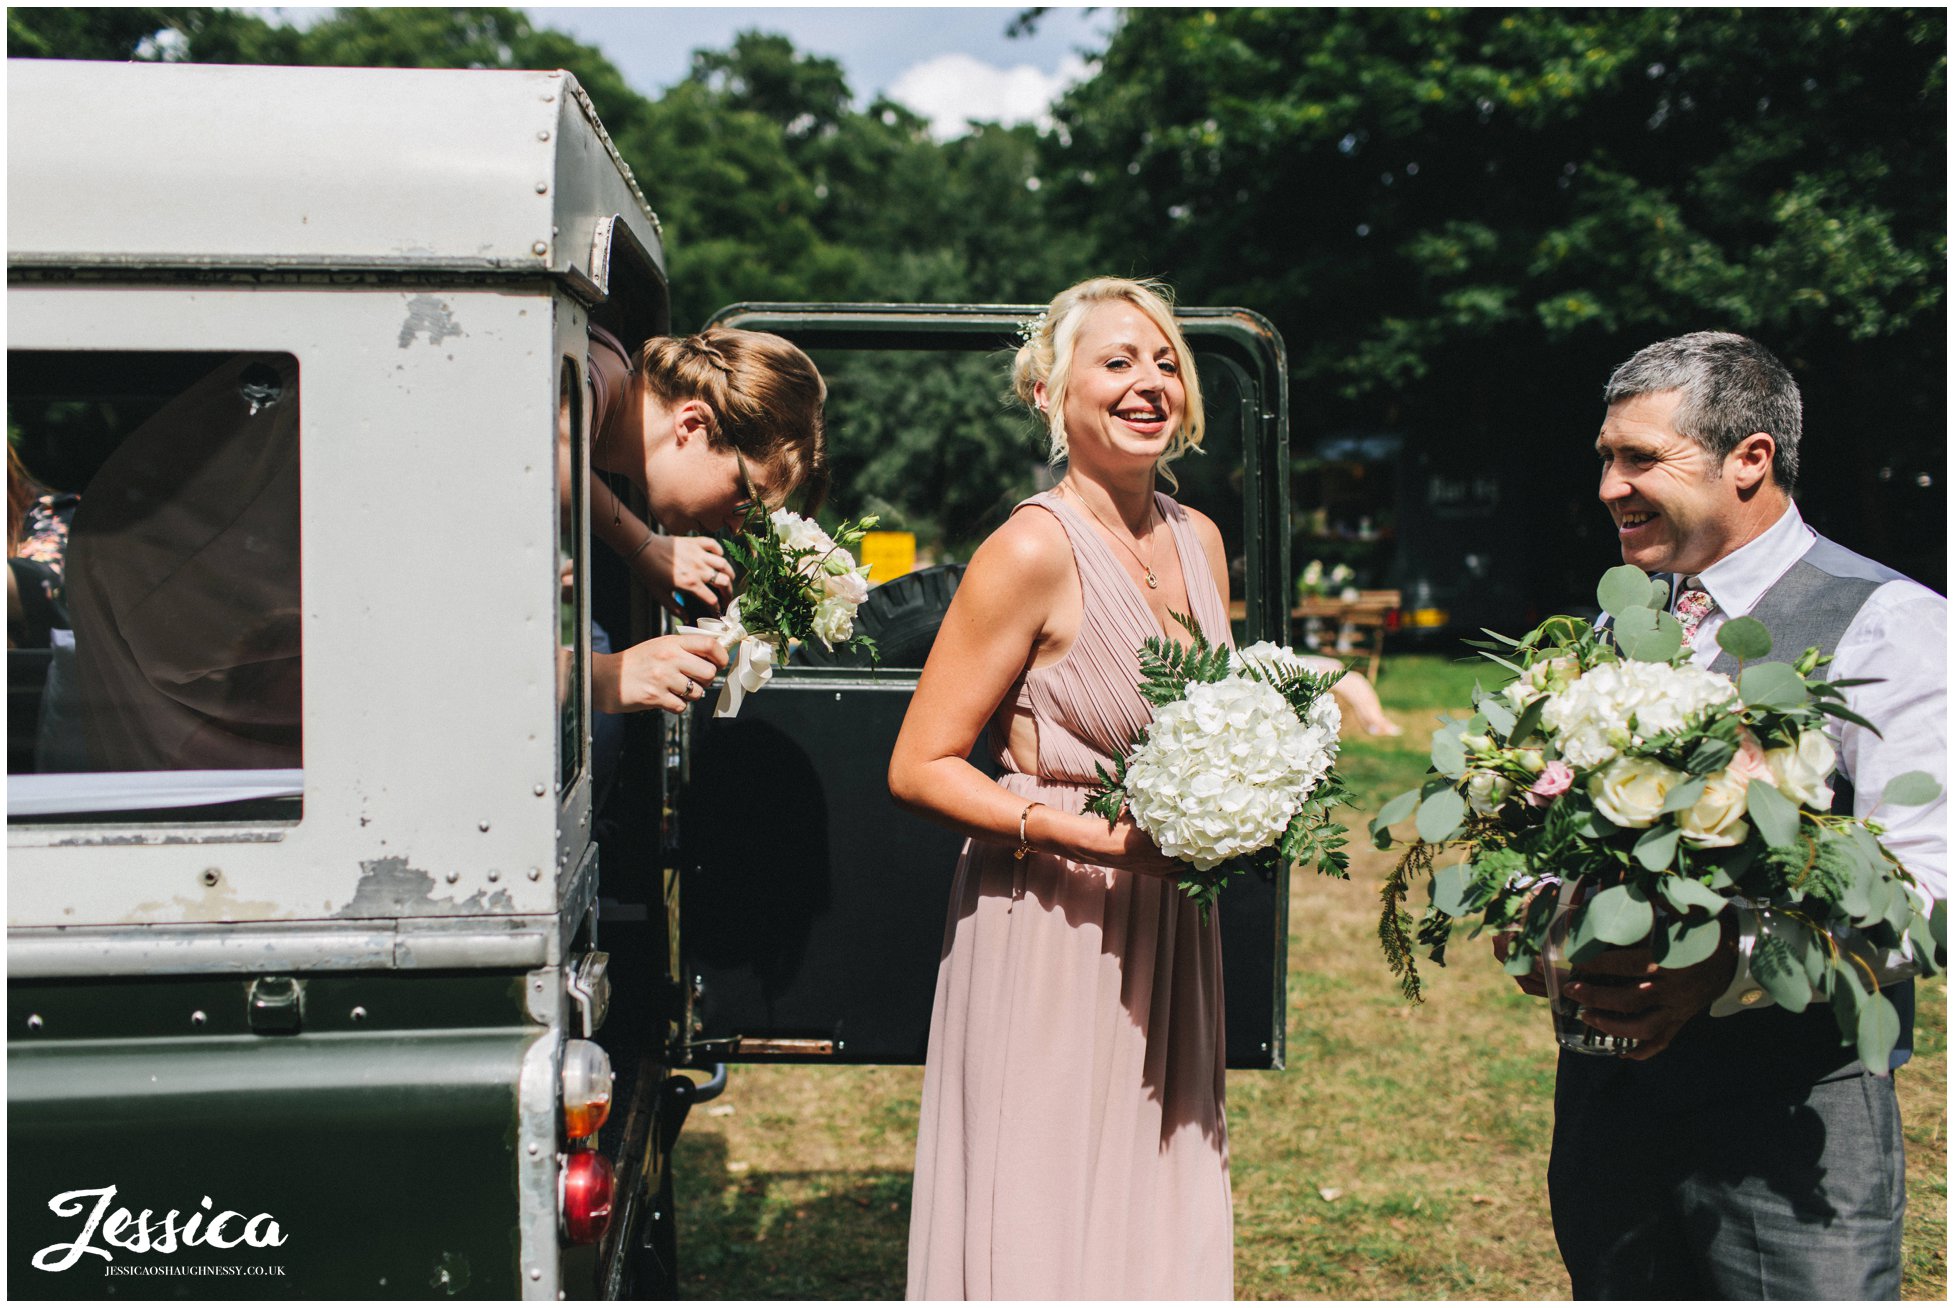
x: 952, y: 89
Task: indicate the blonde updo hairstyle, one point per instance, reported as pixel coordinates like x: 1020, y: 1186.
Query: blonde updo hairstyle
x: 1046, y: 356
x: 765, y: 394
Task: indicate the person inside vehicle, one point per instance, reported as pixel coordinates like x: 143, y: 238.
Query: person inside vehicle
x: 704, y: 426
x: 37, y: 539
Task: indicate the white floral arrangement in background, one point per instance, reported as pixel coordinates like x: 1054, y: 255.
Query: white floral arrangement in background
x: 1317, y: 581
x: 1236, y: 771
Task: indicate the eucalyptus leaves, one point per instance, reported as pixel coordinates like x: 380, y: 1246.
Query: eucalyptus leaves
x: 1671, y: 791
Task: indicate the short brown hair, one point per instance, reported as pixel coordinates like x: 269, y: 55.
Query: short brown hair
x: 765, y: 394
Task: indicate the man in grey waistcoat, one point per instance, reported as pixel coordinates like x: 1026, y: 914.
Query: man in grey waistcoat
x: 1742, y: 1152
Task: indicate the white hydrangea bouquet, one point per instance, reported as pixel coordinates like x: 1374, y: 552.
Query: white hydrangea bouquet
x: 1236, y: 770
x: 1665, y: 792
x: 800, y: 584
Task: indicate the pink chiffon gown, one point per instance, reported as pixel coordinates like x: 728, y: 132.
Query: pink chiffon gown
x: 1073, y: 1143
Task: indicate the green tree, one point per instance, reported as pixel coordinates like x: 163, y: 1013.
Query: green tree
x: 84, y: 33
x: 1462, y: 219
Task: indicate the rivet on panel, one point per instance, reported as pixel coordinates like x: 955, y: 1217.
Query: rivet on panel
x: 359, y: 1013
x: 494, y: 875
x: 198, y: 1018
x: 539, y: 790
x: 539, y: 248
x: 542, y: 188
x: 483, y: 824
x: 535, y: 1273
x: 34, y: 1021
x: 535, y: 874
x: 453, y: 877
x: 212, y: 876
x: 543, y: 135
x: 534, y: 1149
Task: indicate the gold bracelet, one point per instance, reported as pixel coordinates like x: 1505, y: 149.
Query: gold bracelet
x: 1024, y: 841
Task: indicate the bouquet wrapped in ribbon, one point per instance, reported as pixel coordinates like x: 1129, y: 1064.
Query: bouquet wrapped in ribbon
x: 1235, y: 772
x: 1613, y: 795
x: 800, y: 584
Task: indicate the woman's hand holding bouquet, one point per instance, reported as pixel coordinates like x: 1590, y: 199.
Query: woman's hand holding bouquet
x: 1234, y: 772
x: 800, y: 584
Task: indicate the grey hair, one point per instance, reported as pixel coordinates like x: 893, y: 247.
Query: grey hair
x: 1731, y: 387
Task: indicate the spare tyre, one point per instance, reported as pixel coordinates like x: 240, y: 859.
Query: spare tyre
x: 901, y: 616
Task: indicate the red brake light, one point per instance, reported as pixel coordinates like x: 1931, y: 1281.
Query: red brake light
x: 587, y: 1184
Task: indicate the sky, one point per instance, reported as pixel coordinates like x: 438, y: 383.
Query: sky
x: 948, y: 64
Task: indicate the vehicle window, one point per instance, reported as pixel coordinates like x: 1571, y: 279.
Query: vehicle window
x: 154, y: 631
x: 933, y: 442
x: 573, y: 496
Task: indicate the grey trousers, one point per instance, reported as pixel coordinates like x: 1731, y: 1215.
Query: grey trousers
x: 1793, y: 1195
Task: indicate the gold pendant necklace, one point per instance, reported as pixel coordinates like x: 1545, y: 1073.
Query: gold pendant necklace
x: 1153, y: 582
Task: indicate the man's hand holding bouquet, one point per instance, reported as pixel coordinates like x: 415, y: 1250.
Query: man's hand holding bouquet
x: 1613, y: 797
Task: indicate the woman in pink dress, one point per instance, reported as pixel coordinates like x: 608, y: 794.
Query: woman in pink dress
x: 1073, y: 1142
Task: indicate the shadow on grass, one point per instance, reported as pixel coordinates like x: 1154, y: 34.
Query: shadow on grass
x: 757, y: 1234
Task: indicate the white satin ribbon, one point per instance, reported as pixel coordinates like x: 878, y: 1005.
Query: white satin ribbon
x: 752, y: 658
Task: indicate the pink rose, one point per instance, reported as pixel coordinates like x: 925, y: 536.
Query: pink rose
x: 1554, y: 779
x: 1749, y: 764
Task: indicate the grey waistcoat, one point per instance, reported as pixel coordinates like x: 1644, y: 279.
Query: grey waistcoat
x: 1814, y: 604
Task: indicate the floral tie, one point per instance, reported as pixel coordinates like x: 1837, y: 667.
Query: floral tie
x: 1692, y: 606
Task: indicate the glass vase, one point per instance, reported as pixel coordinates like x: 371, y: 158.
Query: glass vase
x: 1569, y: 1030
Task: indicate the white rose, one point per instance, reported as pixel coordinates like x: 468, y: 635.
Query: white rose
x: 849, y: 587
x: 834, y: 620
x: 1630, y: 791
x: 1716, y: 819
x: 1486, y: 792
x: 1804, y: 770
x: 796, y: 532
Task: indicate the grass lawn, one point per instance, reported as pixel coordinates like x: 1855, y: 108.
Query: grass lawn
x: 1403, y: 1154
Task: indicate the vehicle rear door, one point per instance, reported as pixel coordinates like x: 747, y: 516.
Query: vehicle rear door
x: 811, y: 908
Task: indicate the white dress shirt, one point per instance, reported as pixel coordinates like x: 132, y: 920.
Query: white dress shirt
x: 1898, y: 636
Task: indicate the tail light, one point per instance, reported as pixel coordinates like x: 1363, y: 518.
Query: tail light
x: 586, y: 1088
x: 585, y: 1188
